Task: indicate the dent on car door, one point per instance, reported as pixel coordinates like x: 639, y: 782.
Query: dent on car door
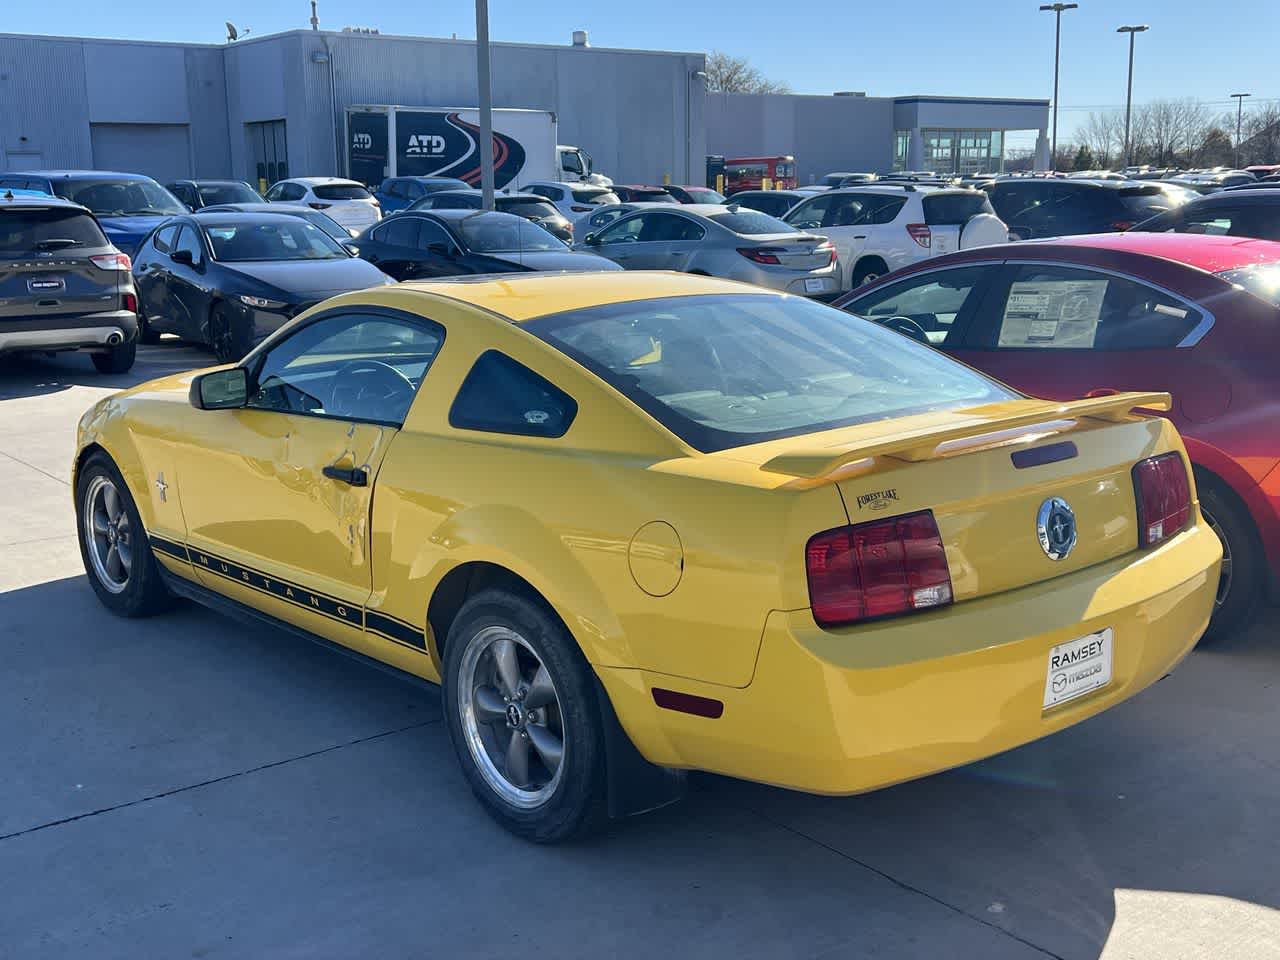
x: 152, y: 280
x: 276, y: 495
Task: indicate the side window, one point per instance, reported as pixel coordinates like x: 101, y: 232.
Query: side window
x: 413, y: 189
x: 293, y: 191
x: 604, y: 218
x: 399, y: 231
x: 188, y: 239
x: 881, y: 211
x: 626, y: 231
x: 1064, y: 308
x: 393, y: 188
x: 432, y: 234
x: 348, y: 366
x: 183, y: 193
x: 274, y: 194
x: 551, y: 193
x: 164, y: 237
x: 501, y: 395
x: 933, y: 301
x: 810, y: 213
x: 669, y: 228
x: 844, y: 211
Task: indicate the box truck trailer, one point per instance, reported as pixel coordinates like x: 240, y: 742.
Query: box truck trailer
x: 395, y: 141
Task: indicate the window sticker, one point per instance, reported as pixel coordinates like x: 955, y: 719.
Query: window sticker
x: 1052, y: 313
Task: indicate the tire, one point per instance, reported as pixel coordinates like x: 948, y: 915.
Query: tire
x: 140, y: 591
x: 868, y: 269
x: 227, y: 335
x: 145, y: 333
x: 548, y: 802
x: 1243, y: 564
x: 118, y: 359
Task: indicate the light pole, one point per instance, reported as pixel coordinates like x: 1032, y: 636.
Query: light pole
x: 1239, y: 118
x: 483, y: 81
x: 1057, y: 9
x: 1128, y: 100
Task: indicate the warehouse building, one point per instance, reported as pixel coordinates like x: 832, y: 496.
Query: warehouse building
x: 266, y: 107
x: 854, y: 132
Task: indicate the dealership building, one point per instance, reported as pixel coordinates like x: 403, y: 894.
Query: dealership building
x: 262, y: 108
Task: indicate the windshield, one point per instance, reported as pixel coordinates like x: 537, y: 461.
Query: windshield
x: 505, y: 233
x: 594, y: 195
x: 724, y: 371
x: 1143, y: 202
x: 532, y: 209
x: 292, y: 239
x: 341, y: 191
x: 946, y: 209
x: 750, y: 222
x: 120, y: 198
x: 23, y: 231
x: 834, y: 179
x: 211, y: 193
x: 326, y: 223
x: 1260, y: 279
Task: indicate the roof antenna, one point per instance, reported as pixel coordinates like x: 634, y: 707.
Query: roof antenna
x: 315, y: 21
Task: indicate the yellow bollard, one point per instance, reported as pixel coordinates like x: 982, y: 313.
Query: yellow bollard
x: 766, y: 183
x: 666, y: 179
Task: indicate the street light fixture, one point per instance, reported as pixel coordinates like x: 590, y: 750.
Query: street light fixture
x: 1239, y: 97
x: 1128, y: 101
x: 1057, y: 9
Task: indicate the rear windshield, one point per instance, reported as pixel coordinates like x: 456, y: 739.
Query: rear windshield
x: 528, y: 208
x: 750, y: 222
x: 943, y: 209
x: 120, y: 198
x: 1260, y: 279
x: 26, y: 231
x: 294, y: 239
x: 704, y: 195
x: 1142, y: 202
x: 594, y: 195
x: 725, y: 371
x: 214, y: 193
x: 652, y: 196
x: 341, y: 191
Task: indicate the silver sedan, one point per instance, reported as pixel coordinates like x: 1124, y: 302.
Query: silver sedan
x: 720, y: 241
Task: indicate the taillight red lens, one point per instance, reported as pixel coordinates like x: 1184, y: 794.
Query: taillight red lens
x: 112, y: 261
x: 920, y: 233
x: 826, y: 248
x: 131, y: 303
x: 1164, y: 498
x: 877, y: 569
x: 761, y: 254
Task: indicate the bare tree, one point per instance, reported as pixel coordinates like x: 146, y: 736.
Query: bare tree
x: 1103, y: 133
x: 1261, y: 135
x: 729, y: 74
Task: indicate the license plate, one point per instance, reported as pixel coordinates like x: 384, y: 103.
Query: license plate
x: 815, y: 286
x: 45, y: 284
x: 1078, y: 667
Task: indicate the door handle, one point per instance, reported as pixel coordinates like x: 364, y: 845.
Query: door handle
x: 352, y: 476
x: 860, y: 236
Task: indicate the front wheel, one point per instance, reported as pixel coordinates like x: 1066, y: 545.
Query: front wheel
x: 520, y: 704
x: 229, y: 335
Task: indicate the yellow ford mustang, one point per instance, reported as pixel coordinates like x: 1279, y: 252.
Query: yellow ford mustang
x: 636, y: 524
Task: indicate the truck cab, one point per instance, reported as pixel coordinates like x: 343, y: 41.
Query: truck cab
x: 576, y: 164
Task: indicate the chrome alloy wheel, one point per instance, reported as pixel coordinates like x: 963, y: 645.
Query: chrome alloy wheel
x: 1224, y: 580
x: 108, y: 534
x: 511, y: 717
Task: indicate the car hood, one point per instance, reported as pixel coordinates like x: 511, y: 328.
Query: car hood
x: 555, y: 260
x: 312, y: 279
x: 127, y: 232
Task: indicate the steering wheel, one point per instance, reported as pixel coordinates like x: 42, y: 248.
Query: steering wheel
x: 907, y: 327
x: 364, y: 384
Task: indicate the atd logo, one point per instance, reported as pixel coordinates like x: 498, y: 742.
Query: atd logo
x: 424, y: 144
x: 362, y: 141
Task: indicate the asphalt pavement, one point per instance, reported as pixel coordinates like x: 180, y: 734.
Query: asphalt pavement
x: 187, y: 786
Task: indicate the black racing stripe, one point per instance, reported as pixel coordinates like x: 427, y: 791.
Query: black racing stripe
x: 300, y: 596
x: 394, y: 629
x: 170, y: 547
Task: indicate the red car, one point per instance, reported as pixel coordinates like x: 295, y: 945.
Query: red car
x: 1196, y: 315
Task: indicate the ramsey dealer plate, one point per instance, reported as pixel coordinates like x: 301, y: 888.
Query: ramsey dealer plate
x: 46, y: 284
x: 1078, y: 667
x: 814, y: 285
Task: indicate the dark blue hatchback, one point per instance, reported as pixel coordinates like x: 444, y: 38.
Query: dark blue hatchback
x: 128, y: 205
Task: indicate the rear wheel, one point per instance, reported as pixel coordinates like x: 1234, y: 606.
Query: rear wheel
x: 1240, y: 584
x: 228, y: 335
x: 119, y: 359
x: 520, y: 704
x: 868, y: 269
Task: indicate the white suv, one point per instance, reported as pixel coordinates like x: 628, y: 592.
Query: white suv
x: 574, y: 200
x: 347, y: 202
x: 878, y: 228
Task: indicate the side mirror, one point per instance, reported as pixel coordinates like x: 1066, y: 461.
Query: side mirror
x: 591, y: 240
x: 183, y: 257
x: 220, y: 389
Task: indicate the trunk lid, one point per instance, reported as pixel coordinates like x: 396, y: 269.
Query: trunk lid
x: 797, y: 251
x: 986, y: 472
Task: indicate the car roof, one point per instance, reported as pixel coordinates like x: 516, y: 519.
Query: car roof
x: 322, y: 181
x: 454, y: 214
x: 240, y: 216
x: 522, y: 297
x: 31, y: 199
x: 1203, y: 251
x: 82, y: 174
x: 211, y: 182
x: 262, y: 206
x: 1234, y: 195
x: 771, y: 193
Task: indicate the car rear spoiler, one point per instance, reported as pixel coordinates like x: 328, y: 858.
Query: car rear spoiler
x: 913, y: 446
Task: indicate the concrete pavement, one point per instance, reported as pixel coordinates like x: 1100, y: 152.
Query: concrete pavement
x: 189, y: 786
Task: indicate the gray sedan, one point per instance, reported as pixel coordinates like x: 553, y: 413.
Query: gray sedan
x: 720, y: 241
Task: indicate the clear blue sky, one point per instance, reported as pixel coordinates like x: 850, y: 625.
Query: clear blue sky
x: 1196, y: 48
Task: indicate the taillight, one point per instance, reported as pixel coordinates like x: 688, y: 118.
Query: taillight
x: 577, y: 208
x: 112, y: 261
x: 1123, y: 225
x: 319, y: 206
x: 920, y: 234
x: 877, y: 569
x: 826, y: 248
x: 1164, y: 497
x: 762, y: 254
x: 131, y: 303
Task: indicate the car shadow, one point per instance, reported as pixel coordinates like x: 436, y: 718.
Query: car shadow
x: 33, y: 375
x: 1043, y: 848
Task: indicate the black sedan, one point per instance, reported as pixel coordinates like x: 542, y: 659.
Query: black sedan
x: 532, y: 207
x: 322, y: 220
x: 421, y: 245
x: 197, y: 194
x: 1233, y: 213
x: 229, y: 279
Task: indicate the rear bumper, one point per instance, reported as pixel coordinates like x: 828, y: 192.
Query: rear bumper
x: 850, y: 710
x: 93, y: 330
x: 825, y: 281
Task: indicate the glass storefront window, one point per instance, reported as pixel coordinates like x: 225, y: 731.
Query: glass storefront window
x: 962, y: 151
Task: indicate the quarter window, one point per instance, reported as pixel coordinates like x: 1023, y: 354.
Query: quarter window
x: 189, y: 240
x: 432, y: 234
x: 501, y: 395
x: 349, y: 366
x: 163, y: 240
x: 399, y: 232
